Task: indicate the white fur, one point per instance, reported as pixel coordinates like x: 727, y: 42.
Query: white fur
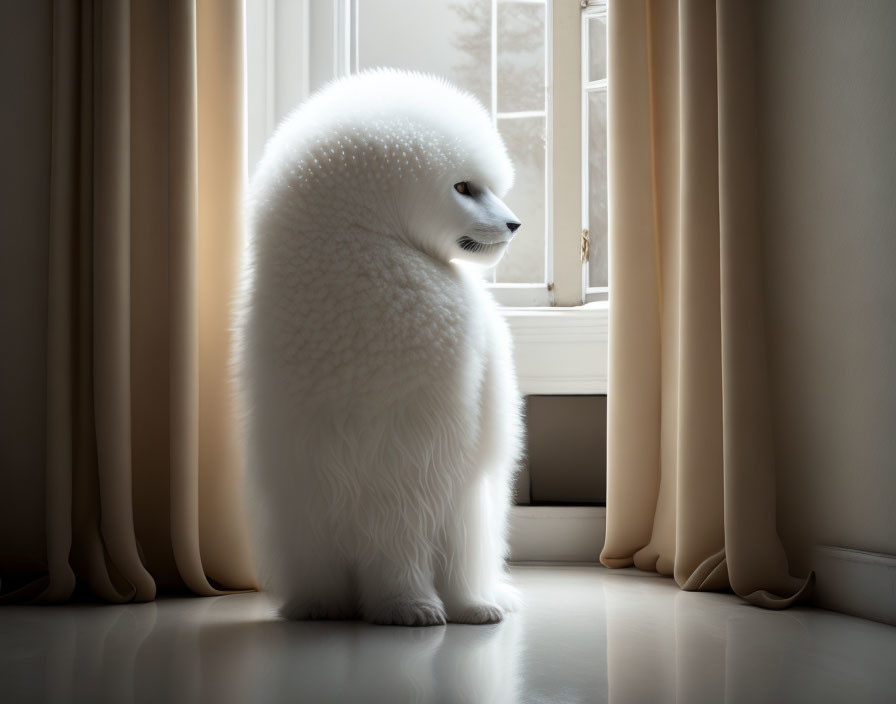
x: 381, y: 408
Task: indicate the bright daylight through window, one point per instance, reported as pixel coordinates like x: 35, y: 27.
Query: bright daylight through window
x: 538, y: 66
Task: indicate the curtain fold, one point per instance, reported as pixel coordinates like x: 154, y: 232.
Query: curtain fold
x: 690, y: 487
x: 142, y: 461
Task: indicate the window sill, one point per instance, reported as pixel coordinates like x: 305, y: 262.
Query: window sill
x: 560, y: 350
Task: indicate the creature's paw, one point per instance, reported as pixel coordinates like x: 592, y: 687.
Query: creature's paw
x: 313, y: 610
x: 477, y: 614
x: 407, y: 612
x: 508, y: 597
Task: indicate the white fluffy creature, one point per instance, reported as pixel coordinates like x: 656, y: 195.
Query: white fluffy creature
x: 381, y: 408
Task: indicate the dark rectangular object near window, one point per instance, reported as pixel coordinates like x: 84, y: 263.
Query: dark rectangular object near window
x: 566, y: 454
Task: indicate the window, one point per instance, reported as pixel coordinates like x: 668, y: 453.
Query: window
x: 522, y: 59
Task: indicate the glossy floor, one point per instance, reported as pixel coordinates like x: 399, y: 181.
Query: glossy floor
x: 585, y: 634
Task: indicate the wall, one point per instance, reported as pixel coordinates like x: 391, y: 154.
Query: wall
x: 828, y: 130
x: 827, y: 80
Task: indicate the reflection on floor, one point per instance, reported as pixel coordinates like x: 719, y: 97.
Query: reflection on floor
x: 585, y: 634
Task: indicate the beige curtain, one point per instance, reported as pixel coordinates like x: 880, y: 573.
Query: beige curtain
x: 691, y: 465
x: 141, y: 486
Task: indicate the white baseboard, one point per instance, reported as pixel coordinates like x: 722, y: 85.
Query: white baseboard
x: 557, y: 533
x: 856, y: 582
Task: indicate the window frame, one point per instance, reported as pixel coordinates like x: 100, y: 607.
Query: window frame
x: 591, y: 9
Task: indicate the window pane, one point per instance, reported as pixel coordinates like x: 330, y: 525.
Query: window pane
x: 452, y: 40
x: 521, y: 36
x: 597, y: 188
x: 597, y: 48
x: 524, y: 260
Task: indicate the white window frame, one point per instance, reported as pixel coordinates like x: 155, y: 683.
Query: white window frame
x: 591, y: 9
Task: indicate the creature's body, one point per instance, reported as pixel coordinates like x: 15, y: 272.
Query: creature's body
x: 381, y: 409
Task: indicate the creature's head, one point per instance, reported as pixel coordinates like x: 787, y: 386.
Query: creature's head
x: 465, y: 220
x: 410, y: 156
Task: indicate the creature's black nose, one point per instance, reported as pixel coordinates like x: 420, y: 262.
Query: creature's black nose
x: 512, y: 226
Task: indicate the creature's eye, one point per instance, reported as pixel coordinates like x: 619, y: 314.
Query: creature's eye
x: 462, y: 188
